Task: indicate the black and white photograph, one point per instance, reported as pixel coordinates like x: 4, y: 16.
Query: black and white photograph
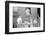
x: 24, y: 17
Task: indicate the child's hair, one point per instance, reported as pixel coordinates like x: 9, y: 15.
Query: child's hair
x: 27, y: 8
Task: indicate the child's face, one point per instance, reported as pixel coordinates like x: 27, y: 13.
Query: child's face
x: 28, y: 11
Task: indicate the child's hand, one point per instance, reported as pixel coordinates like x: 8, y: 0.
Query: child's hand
x: 35, y: 21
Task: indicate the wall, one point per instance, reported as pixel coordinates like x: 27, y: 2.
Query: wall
x: 21, y: 11
x: 34, y: 11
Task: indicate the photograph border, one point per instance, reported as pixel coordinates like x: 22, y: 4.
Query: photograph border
x: 7, y: 16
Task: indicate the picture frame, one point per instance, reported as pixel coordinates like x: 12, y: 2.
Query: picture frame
x: 9, y: 5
